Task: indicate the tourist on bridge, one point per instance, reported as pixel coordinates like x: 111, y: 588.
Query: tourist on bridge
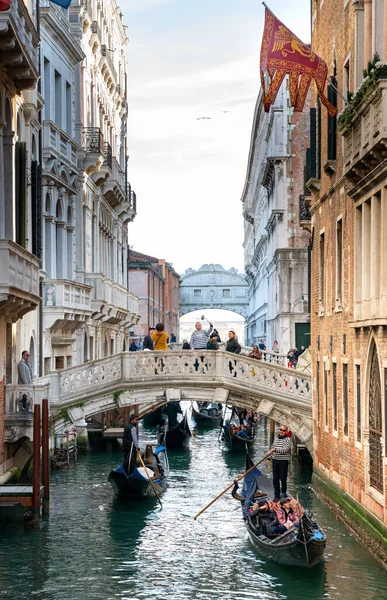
x: 275, y: 347
x: 280, y: 455
x: 173, y: 338
x: 255, y: 353
x: 160, y: 338
x: 133, y: 346
x: 212, y: 343
x: 24, y: 369
x: 199, y: 337
x: 233, y: 345
x: 148, y: 341
x: 186, y: 345
x: 131, y: 445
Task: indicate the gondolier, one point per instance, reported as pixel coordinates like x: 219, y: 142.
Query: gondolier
x: 130, y: 443
x: 280, y: 455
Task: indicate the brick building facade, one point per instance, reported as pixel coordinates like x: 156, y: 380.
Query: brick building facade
x: 348, y: 179
x: 156, y: 283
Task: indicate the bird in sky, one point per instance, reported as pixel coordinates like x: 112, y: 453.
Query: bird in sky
x: 200, y: 118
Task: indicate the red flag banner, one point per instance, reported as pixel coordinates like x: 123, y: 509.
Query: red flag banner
x: 283, y: 53
x: 5, y: 5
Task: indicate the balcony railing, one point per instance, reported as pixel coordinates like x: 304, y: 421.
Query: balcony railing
x: 67, y: 294
x: 304, y: 209
x: 19, y: 280
x: 19, y: 47
x: 92, y: 140
x: 55, y: 140
x: 131, y: 197
x: 107, y: 152
x: 95, y: 28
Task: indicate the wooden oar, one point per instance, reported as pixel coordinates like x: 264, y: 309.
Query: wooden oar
x: 150, y: 479
x: 231, y: 485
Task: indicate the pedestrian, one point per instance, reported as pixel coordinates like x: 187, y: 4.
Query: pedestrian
x: 140, y: 344
x: 131, y: 445
x: 160, y: 338
x: 133, y: 346
x: 199, y: 337
x: 275, y: 347
x: 173, y: 338
x: 261, y: 345
x: 148, y: 341
x: 216, y: 332
x: 212, y: 343
x: 233, y: 345
x: 255, y: 353
x: 186, y: 345
x: 25, y: 376
x: 280, y: 455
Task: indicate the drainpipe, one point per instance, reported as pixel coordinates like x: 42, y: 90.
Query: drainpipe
x: 290, y: 147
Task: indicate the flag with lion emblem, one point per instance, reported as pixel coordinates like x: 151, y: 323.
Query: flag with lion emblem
x: 283, y: 53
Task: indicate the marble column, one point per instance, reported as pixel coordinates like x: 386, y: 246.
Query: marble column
x: 2, y: 200
x: 367, y: 31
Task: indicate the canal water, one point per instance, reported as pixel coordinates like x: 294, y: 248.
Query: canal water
x: 93, y: 547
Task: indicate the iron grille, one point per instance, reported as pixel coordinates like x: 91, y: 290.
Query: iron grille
x: 304, y: 209
x: 107, y: 152
x: 92, y: 140
x: 95, y: 28
x: 375, y: 424
x: 103, y: 50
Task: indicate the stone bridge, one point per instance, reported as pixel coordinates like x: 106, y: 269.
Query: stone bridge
x: 149, y: 379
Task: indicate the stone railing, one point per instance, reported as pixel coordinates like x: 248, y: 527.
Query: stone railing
x: 112, y: 293
x: 92, y: 140
x: 366, y: 139
x: 19, y: 272
x: 21, y: 399
x: 56, y: 139
x: 270, y: 357
x: 68, y: 294
x: 134, y: 370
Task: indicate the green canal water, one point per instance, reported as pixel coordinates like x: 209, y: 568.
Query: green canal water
x: 93, y: 547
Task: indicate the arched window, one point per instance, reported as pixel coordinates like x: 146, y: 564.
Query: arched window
x: 32, y: 355
x: 375, y: 422
x: 60, y: 242
x: 48, y: 241
x: 70, y: 232
x: 85, y: 348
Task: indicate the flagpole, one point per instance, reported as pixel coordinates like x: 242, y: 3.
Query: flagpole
x: 342, y: 97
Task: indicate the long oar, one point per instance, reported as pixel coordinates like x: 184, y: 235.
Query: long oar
x: 231, y: 485
x: 150, y: 479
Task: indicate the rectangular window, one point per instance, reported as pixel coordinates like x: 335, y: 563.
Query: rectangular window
x: 334, y: 395
x: 322, y: 271
x: 358, y: 403
x: 345, y: 399
x: 326, y: 394
x: 332, y: 122
x: 68, y: 109
x: 346, y: 80
x: 358, y: 255
x: 197, y: 293
x: 47, y: 87
x: 339, y: 261
x: 226, y: 293
x: 58, y: 99
x: 318, y: 137
x: 318, y: 390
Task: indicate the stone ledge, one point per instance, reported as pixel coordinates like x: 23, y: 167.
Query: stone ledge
x: 366, y: 527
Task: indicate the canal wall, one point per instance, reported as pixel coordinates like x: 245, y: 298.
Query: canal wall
x: 367, y: 528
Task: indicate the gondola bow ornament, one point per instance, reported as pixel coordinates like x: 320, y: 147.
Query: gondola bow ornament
x: 283, y: 53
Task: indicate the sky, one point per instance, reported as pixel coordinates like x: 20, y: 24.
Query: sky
x: 189, y: 59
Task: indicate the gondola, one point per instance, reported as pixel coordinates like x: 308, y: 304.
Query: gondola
x: 297, y: 547
x: 176, y: 437
x: 155, y: 416
x: 207, y: 416
x: 232, y: 441
x: 137, y: 485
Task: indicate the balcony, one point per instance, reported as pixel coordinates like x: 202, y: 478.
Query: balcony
x: 114, y: 188
x: 92, y: 144
x: 128, y: 209
x: 304, y: 214
x: 19, y: 409
x: 365, y: 136
x: 19, y: 281
x: 95, y: 29
x: 107, y: 63
x: 111, y: 302
x: 19, y: 44
x: 67, y: 304
x: 58, y: 143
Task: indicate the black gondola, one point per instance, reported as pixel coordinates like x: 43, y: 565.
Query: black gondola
x: 232, y: 441
x: 137, y: 485
x: 207, y: 416
x: 176, y: 437
x: 298, y: 547
x: 155, y: 416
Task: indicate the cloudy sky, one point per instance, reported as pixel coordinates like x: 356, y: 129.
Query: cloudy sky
x: 190, y: 59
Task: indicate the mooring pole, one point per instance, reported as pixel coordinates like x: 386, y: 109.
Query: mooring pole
x: 272, y: 431
x: 36, y: 467
x: 45, y: 458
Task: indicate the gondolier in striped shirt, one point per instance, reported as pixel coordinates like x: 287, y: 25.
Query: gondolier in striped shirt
x: 280, y: 455
x: 199, y: 337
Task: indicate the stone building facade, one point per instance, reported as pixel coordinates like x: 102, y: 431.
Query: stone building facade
x: 348, y: 187
x: 275, y: 245
x: 20, y: 243
x: 156, y: 283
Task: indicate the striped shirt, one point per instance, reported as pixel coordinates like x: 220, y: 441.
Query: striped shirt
x: 282, y: 447
x: 199, y: 339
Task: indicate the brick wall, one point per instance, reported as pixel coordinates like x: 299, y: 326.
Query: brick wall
x: 341, y: 457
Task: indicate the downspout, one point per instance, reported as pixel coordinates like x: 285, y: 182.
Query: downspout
x: 290, y: 152
x: 39, y: 200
